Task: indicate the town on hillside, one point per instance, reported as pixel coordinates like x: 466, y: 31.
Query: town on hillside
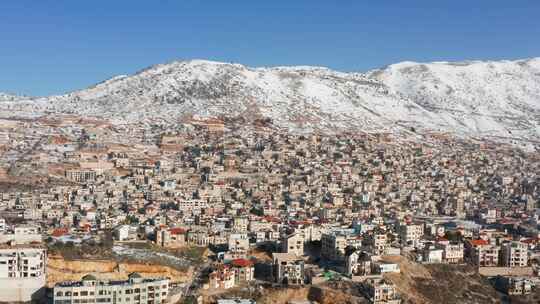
x: 217, y: 210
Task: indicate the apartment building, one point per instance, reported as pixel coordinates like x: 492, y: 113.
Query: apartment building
x: 240, y: 224
x: 452, y: 252
x: 288, y: 269
x: 3, y: 225
x: 358, y: 263
x: 333, y: 246
x: 293, y: 243
x: 515, y: 254
x: 81, y: 176
x: 378, y: 242
x: 91, y: 290
x: 482, y: 253
x: 410, y: 234
x: 22, y: 272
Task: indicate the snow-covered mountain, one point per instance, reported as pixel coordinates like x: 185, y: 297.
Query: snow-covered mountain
x: 11, y: 97
x: 475, y: 98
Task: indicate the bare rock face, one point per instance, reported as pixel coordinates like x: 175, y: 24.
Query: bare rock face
x: 473, y: 99
x: 59, y: 270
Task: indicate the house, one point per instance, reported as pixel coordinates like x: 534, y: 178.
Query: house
x: 121, y: 233
x: 222, y: 278
x: 171, y: 237
x: 244, y: 270
x: 381, y: 291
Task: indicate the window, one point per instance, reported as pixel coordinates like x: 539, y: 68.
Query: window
x: 59, y: 294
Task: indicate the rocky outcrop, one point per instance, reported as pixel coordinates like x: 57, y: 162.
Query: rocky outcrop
x: 60, y: 269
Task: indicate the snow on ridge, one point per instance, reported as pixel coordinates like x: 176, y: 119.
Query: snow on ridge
x: 472, y: 98
x: 7, y: 97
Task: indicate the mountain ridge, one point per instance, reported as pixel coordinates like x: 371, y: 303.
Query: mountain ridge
x: 471, y: 98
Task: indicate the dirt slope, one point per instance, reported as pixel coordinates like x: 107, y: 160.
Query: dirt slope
x: 60, y: 269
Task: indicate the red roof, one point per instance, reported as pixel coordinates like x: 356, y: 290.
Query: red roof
x: 177, y: 231
x: 479, y: 242
x: 59, y: 232
x: 241, y: 263
x: 530, y: 240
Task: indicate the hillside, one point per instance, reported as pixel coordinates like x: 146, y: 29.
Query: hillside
x: 473, y: 99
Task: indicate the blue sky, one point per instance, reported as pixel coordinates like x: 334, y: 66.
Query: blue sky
x: 55, y: 46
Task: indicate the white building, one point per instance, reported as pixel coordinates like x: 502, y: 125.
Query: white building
x: 238, y: 242
x: 121, y: 233
x: 3, y: 225
x: 288, y: 269
x: 22, y: 272
x: 431, y: 254
x: 91, y: 290
x: 515, y: 254
x: 387, y: 268
x: 21, y: 234
x: 293, y: 243
x: 333, y: 246
x: 411, y: 234
x: 453, y: 252
x: 381, y: 291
